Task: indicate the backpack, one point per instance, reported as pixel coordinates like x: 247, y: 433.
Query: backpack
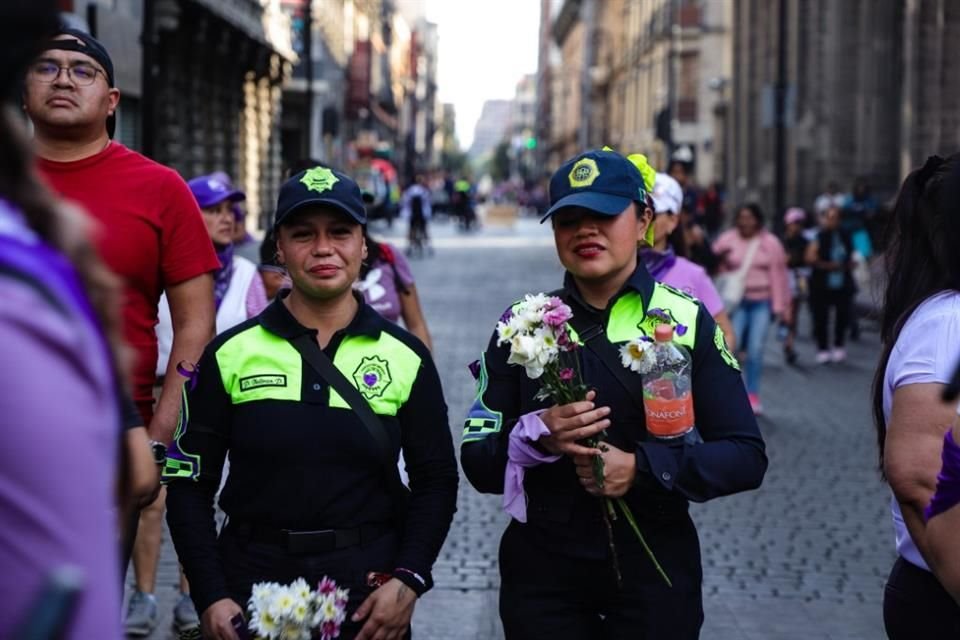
x: 387, y: 255
x: 416, y: 207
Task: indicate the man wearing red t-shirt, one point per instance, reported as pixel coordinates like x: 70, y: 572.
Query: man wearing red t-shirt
x: 150, y: 231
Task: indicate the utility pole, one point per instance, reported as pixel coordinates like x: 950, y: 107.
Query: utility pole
x: 589, y: 17
x: 674, y: 27
x: 780, y: 116
x: 308, y: 70
x: 148, y: 80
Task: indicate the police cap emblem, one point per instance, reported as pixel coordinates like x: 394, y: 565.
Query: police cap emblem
x: 583, y: 173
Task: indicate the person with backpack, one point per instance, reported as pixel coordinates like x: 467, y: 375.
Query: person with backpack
x: 387, y: 285
x: 313, y: 399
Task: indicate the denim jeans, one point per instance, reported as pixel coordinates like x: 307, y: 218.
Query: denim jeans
x: 751, y: 320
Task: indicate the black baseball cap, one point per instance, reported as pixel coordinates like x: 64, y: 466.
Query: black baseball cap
x: 90, y: 46
x: 320, y: 186
x: 602, y: 181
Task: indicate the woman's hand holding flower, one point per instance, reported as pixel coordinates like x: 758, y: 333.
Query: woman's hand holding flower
x: 619, y: 471
x: 569, y: 423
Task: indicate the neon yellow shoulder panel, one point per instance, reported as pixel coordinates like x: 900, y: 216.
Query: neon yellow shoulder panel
x: 629, y: 319
x: 258, y: 365
x: 382, y: 369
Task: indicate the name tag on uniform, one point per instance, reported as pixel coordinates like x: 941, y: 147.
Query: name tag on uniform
x: 250, y: 383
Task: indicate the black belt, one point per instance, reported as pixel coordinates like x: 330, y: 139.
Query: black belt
x: 319, y: 541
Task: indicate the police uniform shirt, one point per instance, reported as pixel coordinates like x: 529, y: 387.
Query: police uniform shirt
x: 300, y: 459
x: 561, y: 514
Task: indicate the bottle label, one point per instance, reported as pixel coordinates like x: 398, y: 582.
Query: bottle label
x: 668, y: 414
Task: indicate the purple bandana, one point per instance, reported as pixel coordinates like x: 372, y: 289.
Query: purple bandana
x: 657, y: 263
x: 221, y: 277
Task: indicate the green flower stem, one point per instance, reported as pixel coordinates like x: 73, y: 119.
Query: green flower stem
x: 636, y: 529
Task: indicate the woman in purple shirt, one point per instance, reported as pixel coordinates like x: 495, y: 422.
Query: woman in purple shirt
x: 666, y: 260
x: 59, y: 335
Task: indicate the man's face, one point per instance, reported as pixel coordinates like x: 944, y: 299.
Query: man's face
x: 76, y: 99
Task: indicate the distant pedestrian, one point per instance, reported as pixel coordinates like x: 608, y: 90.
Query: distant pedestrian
x: 795, y: 243
x: 238, y: 290
x: 831, y: 197
x: 560, y: 579
x: 387, y: 284
x: 857, y: 218
x: 714, y: 214
x: 831, y: 285
x: 272, y: 273
x: 920, y: 330
x: 416, y: 208
x: 244, y: 244
x: 765, y: 291
x: 463, y: 204
x: 666, y: 259
x: 150, y: 233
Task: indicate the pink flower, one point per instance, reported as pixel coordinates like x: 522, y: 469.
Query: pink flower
x: 563, y: 339
x: 329, y: 630
x: 566, y: 374
x: 557, y: 316
x: 327, y: 586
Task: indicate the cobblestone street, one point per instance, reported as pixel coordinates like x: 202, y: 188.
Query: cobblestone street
x: 804, y: 557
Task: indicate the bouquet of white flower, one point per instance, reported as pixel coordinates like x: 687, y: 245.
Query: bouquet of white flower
x: 540, y: 341
x: 297, y: 612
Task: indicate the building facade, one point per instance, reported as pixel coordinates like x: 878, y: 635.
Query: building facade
x: 640, y: 76
x: 870, y: 93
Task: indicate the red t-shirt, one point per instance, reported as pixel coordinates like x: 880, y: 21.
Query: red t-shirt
x: 151, y: 233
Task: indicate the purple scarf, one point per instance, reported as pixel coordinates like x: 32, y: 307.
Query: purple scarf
x: 657, y: 263
x: 222, y: 276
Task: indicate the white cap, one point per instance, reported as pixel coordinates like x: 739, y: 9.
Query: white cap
x: 667, y: 195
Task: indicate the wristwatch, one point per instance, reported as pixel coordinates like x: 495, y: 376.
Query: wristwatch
x: 159, y: 452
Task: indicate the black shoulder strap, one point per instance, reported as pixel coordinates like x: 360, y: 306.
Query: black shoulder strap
x: 319, y: 361
x: 594, y: 338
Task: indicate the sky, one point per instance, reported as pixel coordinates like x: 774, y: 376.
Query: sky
x: 486, y: 46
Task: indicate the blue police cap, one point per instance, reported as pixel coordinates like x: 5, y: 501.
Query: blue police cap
x: 602, y: 181
x: 320, y: 186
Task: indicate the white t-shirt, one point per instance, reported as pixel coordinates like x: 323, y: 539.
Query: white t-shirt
x: 925, y: 352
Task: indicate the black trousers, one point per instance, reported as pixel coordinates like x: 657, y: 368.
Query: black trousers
x: 915, y: 605
x: 555, y: 597
x: 821, y: 302
x: 246, y: 562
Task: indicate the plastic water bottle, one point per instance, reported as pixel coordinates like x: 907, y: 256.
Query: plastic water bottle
x: 667, y: 391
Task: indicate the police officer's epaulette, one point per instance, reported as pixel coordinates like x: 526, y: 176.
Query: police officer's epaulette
x: 682, y: 294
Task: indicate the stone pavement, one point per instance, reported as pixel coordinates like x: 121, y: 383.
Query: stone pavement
x: 804, y: 557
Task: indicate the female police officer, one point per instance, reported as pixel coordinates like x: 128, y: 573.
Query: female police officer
x: 558, y: 579
x: 313, y: 487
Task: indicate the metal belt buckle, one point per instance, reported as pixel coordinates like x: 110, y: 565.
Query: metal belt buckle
x: 311, y: 541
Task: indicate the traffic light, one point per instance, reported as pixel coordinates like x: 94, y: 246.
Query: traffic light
x: 531, y: 143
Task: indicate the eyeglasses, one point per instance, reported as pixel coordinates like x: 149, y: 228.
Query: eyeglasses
x: 82, y: 74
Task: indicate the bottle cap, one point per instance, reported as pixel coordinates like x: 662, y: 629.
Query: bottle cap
x: 663, y: 333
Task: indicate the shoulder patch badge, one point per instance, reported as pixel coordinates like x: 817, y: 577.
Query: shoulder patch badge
x: 319, y: 179
x: 583, y: 173
x: 721, y: 343
x: 372, y: 376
